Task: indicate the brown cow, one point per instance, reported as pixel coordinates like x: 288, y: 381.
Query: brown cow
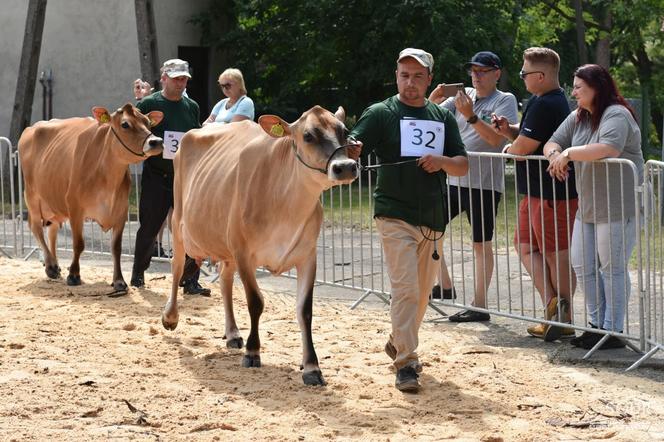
x: 248, y: 196
x: 77, y: 168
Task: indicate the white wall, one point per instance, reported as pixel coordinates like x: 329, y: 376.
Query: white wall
x: 92, y: 49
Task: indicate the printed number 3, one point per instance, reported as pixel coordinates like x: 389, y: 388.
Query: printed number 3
x: 174, y: 145
x: 418, y: 137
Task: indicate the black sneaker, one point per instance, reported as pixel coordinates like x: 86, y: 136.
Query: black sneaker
x: 469, y: 316
x: 194, y: 288
x: 137, y: 281
x: 407, y: 380
x: 437, y: 293
x: 392, y: 353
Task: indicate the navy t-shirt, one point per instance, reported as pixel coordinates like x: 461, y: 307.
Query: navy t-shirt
x: 540, y: 120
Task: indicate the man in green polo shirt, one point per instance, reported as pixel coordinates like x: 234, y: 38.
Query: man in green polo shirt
x: 410, y: 197
x: 180, y: 115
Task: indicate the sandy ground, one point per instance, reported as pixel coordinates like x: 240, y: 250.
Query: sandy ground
x: 78, y: 365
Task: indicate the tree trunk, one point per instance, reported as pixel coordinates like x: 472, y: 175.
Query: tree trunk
x: 603, y: 49
x: 147, y: 41
x: 27, y: 79
x: 580, y: 32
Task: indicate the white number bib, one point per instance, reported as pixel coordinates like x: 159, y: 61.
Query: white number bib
x: 422, y: 137
x: 171, y: 143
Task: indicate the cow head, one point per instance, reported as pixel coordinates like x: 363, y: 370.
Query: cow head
x: 132, y: 130
x: 320, y: 142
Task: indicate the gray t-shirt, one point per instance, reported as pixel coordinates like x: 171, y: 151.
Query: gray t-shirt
x: 483, y: 173
x: 599, y: 184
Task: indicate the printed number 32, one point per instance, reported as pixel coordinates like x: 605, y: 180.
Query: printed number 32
x: 418, y: 138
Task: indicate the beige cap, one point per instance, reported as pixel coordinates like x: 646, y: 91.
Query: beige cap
x: 176, y: 68
x: 422, y: 57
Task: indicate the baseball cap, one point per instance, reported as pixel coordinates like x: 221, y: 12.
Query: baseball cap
x: 175, y: 68
x: 485, y: 59
x: 422, y: 57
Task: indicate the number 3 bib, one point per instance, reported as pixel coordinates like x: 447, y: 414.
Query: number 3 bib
x: 171, y: 143
x: 422, y: 137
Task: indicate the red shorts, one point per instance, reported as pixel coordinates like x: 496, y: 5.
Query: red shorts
x: 544, y: 221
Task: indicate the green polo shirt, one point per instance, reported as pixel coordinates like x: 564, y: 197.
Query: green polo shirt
x: 407, y: 192
x: 179, y: 116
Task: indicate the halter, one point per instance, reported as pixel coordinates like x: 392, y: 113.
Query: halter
x: 329, y: 159
x: 142, y: 154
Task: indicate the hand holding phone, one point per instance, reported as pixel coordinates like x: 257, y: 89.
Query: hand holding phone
x: 450, y: 90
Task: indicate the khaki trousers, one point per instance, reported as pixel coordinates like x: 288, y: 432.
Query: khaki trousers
x: 412, y: 273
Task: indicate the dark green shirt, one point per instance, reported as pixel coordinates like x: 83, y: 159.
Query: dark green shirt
x: 179, y: 116
x: 407, y: 192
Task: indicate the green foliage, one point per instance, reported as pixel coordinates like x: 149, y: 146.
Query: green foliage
x: 295, y: 54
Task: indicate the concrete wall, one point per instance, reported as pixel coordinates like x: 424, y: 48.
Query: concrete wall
x: 91, y: 48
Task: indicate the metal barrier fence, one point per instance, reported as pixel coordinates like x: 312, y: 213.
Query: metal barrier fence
x: 350, y: 253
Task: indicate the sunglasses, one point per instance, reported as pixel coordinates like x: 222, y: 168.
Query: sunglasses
x: 225, y: 85
x: 523, y: 74
x: 478, y: 73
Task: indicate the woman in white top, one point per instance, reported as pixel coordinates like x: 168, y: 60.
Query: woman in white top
x: 236, y: 106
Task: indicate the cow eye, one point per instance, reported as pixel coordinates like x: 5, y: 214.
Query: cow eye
x: 308, y: 137
x: 125, y: 125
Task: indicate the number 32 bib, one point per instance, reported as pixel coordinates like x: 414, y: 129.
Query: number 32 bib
x: 422, y: 137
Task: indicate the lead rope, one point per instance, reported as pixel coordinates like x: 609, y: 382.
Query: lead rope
x: 142, y: 154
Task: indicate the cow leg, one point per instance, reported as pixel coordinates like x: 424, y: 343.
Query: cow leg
x: 233, y: 338
x: 50, y: 261
x: 74, y: 277
x: 252, y: 357
x: 53, y: 246
x: 306, y: 274
x: 170, y: 315
x: 119, y: 284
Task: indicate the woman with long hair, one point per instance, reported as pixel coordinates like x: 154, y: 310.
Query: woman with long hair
x: 605, y: 229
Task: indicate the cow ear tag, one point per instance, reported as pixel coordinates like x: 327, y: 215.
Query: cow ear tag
x: 101, y: 114
x: 277, y: 130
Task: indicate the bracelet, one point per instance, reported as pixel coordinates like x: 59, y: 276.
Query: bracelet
x: 552, y: 152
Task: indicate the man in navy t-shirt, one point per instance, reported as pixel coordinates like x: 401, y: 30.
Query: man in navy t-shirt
x: 548, y: 208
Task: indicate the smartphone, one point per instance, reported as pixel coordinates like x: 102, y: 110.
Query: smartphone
x: 450, y: 90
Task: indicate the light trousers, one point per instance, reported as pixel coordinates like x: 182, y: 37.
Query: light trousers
x: 412, y: 272
x: 600, y: 257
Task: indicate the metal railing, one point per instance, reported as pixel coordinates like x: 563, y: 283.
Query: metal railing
x: 350, y: 254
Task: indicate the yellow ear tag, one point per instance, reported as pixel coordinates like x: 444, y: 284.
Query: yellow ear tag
x: 105, y: 118
x: 277, y: 130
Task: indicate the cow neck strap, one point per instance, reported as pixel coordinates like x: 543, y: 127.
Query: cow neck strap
x: 329, y: 159
x: 142, y: 154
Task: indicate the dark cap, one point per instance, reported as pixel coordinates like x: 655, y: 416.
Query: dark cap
x: 485, y: 59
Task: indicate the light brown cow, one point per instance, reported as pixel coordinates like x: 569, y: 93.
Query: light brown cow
x: 77, y: 168
x: 248, y: 196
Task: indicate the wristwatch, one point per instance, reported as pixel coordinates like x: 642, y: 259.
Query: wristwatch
x: 473, y: 119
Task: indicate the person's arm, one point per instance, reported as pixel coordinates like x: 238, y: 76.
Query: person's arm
x: 522, y: 145
x: 455, y: 166
x: 464, y: 105
x: 210, y: 119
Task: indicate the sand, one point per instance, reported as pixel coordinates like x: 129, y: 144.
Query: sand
x: 78, y: 365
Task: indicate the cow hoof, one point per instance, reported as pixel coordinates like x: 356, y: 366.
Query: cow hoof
x: 120, y: 286
x: 74, y: 280
x: 53, y: 272
x: 249, y: 361
x: 168, y: 325
x: 235, y: 343
x: 313, y: 378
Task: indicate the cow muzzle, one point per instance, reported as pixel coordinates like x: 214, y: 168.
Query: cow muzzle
x: 153, y: 146
x: 343, y: 170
